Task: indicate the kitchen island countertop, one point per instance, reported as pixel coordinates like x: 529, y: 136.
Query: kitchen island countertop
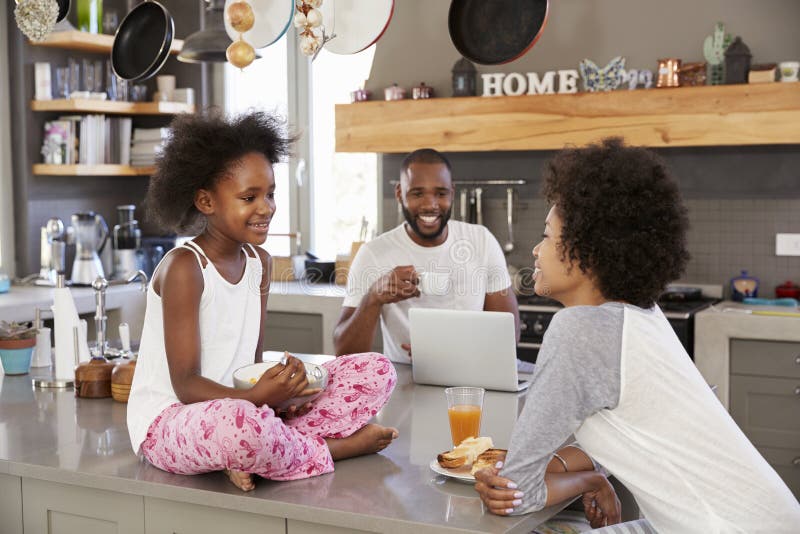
x: 52, y: 436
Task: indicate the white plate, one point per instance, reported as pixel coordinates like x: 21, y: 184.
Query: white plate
x: 461, y: 474
x: 272, y: 19
x: 357, y: 24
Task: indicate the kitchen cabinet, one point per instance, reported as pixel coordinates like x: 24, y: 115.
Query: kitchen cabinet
x: 303, y: 527
x: 11, y: 504
x: 162, y: 515
x: 295, y: 332
x: 55, y: 508
x: 757, y: 114
x: 765, y: 400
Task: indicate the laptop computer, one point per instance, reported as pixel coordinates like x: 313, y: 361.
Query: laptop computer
x: 464, y: 348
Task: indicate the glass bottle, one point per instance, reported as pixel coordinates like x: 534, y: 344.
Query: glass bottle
x: 90, y: 16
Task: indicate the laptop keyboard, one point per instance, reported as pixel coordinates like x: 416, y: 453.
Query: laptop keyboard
x: 525, y: 367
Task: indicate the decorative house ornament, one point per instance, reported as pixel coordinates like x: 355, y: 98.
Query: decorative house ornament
x: 464, y: 74
x: 737, y: 62
x: 515, y: 83
x: 634, y: 78
x: 668, y: 70
x: 606, y: 79
x: 714, y: 51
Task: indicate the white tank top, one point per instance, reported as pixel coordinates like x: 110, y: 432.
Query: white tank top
x: 230, y: 315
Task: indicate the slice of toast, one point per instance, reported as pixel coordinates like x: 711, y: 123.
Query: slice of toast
x: 466, y: 452
x: 488, y: 458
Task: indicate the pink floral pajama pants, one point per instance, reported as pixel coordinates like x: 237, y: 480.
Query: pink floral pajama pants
x: 235, y: 434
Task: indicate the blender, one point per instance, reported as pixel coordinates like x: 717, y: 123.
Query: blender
x: 90, y: 232
x: 126, y: 240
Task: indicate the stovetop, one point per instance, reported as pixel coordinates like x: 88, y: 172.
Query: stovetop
x: 686, y: 308
x: 537, y: 303
x: 672, y: 309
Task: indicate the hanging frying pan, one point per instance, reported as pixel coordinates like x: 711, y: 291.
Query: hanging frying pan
x: 271, y: 21
x: 63, y: 9
x: 356, y: 24
x: 491, y: 32
x: 142, y: 43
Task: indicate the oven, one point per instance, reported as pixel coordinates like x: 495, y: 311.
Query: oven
x: 535, y: 314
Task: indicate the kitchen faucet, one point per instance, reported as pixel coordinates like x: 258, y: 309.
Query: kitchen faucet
x: 100, y: 285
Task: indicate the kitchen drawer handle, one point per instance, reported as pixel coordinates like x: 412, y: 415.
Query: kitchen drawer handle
x: 796, y: 462
x: 797, y: 390
x: 797, y: 360
x: 524, y: 345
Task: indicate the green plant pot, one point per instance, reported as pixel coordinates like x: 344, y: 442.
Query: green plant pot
x: 16, y: 355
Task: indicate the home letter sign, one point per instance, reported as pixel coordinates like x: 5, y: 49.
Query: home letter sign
x: 515, y: 84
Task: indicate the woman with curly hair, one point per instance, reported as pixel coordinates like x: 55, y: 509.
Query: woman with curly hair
x: 206, y: 307
x: 612, y: 372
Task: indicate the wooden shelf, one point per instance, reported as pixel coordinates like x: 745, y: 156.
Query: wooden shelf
x: 106, y: 169
x: 756, y: 114
x: 112, y: 106
x: 90, y: 42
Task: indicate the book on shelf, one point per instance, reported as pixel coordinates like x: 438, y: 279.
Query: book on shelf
x: 88, y: 140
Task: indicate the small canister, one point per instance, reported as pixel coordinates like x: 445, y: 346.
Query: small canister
x: 668, y: 70
x: 394, y: 92
x: 359, y: 95
x: 744, y: 286
x: 788, y: 290
x: 422, y: 91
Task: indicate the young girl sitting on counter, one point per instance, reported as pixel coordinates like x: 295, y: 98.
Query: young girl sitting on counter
x: 206, y: 307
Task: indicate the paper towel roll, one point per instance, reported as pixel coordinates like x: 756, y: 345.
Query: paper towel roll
x: 65, y: 319
x: 42, y: 354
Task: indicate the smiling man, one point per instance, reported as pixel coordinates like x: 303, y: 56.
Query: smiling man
x: 462, y: 265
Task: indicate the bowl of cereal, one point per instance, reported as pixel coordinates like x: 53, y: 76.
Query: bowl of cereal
x: 246, y: 377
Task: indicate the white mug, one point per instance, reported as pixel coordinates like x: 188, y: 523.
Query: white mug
x: 434, y: 283
x: 789, y: 70
x: 166, y: 85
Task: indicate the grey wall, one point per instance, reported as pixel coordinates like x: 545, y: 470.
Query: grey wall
x: 738, y: 197
x: 416, y: 46
x: 37, y: 198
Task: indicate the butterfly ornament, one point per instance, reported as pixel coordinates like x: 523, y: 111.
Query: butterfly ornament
x: 606, y: 79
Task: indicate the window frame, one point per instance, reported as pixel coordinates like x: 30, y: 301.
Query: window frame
x: 7, y: 256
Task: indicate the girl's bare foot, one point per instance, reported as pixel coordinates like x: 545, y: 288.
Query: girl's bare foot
x: 367, y: 440
x: 241, y: 479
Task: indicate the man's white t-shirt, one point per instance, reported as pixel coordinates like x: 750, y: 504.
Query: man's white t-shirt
x: 470, y: 256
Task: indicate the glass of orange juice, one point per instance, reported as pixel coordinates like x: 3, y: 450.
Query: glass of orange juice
x: 464, y: 406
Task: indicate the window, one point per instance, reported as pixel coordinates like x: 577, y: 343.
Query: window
x: 333, y: 192
x: 6, y: 212
x: 264, y: 86
x: 344, y: 184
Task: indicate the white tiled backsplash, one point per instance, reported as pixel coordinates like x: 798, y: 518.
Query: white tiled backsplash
x: 726, y: 236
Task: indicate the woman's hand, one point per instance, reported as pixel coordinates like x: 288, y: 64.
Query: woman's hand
x: 279, y: 383
x: 500, y: 495
x: 601, y: 505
